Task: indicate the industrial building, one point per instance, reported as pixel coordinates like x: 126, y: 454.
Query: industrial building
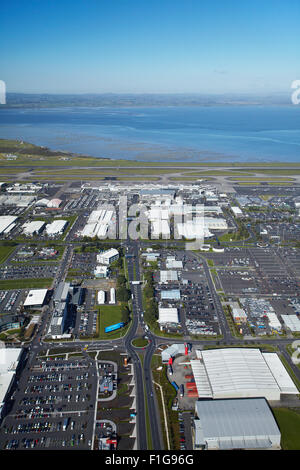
x: 237, y: 211
x: 172, y: 351
x: 107, y: 257
x: 98, y: 223
x: 35, y: 298
x: 34, y: 227
x: 235, y: 424
x: 241, y: 373
x: 167, y: 315
x: 16, y: 200
x: 7, y: 223
x: 291, y: 322
x: 9, y: 361
x: 172, y: 263
x: 57, y: 227
x: 166, y: 276
x: 171, y: 294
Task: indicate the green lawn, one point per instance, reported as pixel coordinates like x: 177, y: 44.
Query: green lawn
x: 25, y: 283
x: 289, y: 424
x: 110, y: 315
x: 5, y: 251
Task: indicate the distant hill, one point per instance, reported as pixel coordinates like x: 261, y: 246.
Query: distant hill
x: 19, y: 100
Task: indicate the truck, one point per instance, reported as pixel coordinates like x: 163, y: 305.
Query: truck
x: 170, y: 370
x: 65, y: 423
x: 175, y: 386
x: 181, y: 390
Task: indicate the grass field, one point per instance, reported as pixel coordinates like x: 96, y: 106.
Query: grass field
x: 25, y: 283
x: 5, y: 251
x: 289, y: 424
x: 110, y: 315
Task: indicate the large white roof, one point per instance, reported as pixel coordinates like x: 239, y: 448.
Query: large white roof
x: 168, y: 315
x: 292, y: 322
x: 240, y: 372
x: 6, y: 221
x: 8, y: 363
x: 35, y: 297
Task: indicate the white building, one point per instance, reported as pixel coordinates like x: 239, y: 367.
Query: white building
x: 235, y: 424
x: 57, y: 227
x: 167, y: 315
x: 112, y: 296
x: 101, y: 297
x: 241, y: 373
x: 273, y: 321
x: 172, y: 263
x: 291, y: 322
x: 33, y: 228
x: 237, y: 211
x: 98, y: 223
x: 7, y: 223
x: 9, y: 360
x: 35, y: 298
x: 166, y: 276
x: 107, y: 257
x: 101, y: 272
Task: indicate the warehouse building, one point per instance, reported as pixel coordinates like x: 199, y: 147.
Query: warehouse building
x: 235, y: 424
x: 7, y: 223
x: 33, y: 228
x: 172, y: 351
x: 171, y: 294
x: 291, y: 322
x: 57, y: 227
x: 172, y: 263
x: 167, y: 315
x: 36, y: 298
x: 237, y: 211
x: 98, y: 223
x: 107, y: 257
x: 166, y: 276
x: 9, y: 361
x: 241, y: 373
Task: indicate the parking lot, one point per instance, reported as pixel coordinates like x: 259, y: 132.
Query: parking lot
x: 50, y: 392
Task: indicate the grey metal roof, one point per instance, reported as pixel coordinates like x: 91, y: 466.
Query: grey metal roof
x: 236, y: 423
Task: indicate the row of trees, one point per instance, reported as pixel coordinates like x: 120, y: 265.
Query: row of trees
x: 122, y: 292
x: 151, y: 308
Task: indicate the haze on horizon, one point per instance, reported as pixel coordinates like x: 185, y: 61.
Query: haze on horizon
x: 64, y: 46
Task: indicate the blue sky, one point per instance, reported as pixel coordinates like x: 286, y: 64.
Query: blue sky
x: 154, y: 46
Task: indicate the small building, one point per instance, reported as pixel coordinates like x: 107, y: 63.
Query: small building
x: 237, y: 211
x: 112, y: 295
x: 172, y: 351
x: 235, y: 424
x: 101, y: 297
x: 101, y: 272
x: 10, y: 322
